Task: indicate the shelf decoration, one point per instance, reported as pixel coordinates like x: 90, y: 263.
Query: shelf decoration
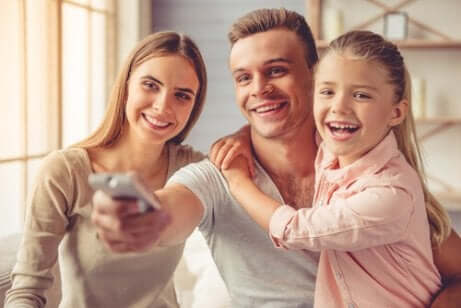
x: 396, y: 25
x: 445, y: 41
x: 418, y: 97
x: 333, y: 24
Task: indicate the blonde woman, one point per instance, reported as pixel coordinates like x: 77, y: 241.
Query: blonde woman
x: 157, y: 98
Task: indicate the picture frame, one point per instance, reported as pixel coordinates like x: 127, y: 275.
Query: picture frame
x: 396, y: 25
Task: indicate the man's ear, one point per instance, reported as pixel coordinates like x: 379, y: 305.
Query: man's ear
x: 399, y: 112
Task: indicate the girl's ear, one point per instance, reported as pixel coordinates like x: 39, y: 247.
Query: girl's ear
x: 399, y: 113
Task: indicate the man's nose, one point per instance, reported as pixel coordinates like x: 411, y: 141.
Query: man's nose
x: 262, y: 87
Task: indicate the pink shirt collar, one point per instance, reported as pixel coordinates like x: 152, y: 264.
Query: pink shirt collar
x: 370, y: 163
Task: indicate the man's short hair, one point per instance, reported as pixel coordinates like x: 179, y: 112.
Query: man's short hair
x: 263, y: 20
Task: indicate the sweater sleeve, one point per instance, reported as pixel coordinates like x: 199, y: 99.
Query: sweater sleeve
x: 47, y: 212
x: 375, y: 216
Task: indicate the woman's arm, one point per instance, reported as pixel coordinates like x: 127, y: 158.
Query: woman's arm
x: 45, y: 225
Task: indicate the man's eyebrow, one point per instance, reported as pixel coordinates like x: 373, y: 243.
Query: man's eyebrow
x: 278, y: 60
x: 150, y: 77
x: 270, y: 61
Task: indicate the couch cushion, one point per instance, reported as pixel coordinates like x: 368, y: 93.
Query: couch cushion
x: 8, y: 251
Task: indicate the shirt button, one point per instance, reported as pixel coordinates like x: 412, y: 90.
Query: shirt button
x: 339, y: 275
x: 350, y: 305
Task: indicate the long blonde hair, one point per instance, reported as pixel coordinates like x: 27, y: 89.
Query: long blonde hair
x: 372, y: 47
x: 155, y: 45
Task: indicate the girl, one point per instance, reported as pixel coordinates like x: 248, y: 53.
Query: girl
x: 156, y: 100
x: 371, y: 206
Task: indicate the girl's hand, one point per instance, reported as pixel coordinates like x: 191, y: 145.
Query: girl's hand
x: 237, y: 173
x: 226, y: 149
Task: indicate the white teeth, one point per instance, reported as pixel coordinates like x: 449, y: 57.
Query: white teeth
x: 267, y: 108
x: 343, y: 126
x: 156, y: 122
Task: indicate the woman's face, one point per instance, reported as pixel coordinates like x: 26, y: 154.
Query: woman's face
x: 161, y: 95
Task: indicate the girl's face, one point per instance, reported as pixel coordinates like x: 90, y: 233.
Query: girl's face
x: 354, y: 105
x: 161, y: 96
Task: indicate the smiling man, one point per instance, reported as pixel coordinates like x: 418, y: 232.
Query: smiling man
x: 271, y: 61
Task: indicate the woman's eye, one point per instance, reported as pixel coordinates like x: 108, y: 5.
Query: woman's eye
x: 149, y: 85
x: 183, y: 96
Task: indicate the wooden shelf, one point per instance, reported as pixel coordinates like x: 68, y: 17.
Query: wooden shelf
x: 450, y: 200
x: 439, y: 120
x: 412, y: 44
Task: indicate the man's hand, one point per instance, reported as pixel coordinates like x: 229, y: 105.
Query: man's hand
x: 447, y: 258
x: 228, y: 148
x: 122, y: 228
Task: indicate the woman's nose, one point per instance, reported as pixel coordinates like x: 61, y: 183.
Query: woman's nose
x: 161, y: 102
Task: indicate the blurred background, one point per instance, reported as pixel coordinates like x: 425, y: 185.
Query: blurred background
x: 59, y: 59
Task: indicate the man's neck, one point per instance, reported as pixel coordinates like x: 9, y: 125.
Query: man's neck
x: 291, y: 155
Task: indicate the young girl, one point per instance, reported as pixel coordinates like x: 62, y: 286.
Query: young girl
x: 371, y: 207
x: 156, y: 100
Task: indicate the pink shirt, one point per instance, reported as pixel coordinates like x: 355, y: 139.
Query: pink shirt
x: 369, y: 221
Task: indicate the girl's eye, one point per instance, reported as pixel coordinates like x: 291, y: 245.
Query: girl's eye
x: 183, y: 96
x: 361, y: 95
x: 326, y: 92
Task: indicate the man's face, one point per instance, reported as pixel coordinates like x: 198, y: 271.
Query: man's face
x: 273, y: 82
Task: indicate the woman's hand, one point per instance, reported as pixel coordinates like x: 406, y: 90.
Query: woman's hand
x: 122, y: 228
x: 226, y: 149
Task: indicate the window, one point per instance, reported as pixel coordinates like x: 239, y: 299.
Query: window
x: 58, y: 58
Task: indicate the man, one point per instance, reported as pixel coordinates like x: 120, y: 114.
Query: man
x: 272, y: 58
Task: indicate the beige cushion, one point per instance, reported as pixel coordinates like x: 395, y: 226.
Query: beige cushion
x: 8, y: 252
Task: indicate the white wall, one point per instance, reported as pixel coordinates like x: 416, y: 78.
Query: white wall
x: 207, y: 22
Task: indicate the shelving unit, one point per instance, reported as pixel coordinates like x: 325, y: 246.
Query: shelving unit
x: 448, y: 192
x: 445, y: 41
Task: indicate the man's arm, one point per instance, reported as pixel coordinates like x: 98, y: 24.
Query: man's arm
x: 123, y: 229
x: 447, y: 258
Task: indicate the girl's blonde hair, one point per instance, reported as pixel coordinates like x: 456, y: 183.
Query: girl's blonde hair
x: 159, y: 44
x: 370, y: 46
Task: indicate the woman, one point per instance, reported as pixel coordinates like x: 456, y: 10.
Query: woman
x: 157, y: 98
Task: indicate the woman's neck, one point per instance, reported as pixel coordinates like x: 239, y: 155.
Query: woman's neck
x: 150, y: 162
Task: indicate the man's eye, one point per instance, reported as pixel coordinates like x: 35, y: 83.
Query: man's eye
x: 242, y: 78
x: 276, y: 71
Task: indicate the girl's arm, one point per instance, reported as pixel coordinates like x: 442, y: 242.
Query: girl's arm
x: 226, y: 149
x: 259, y: 206
x: 375, y: 216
